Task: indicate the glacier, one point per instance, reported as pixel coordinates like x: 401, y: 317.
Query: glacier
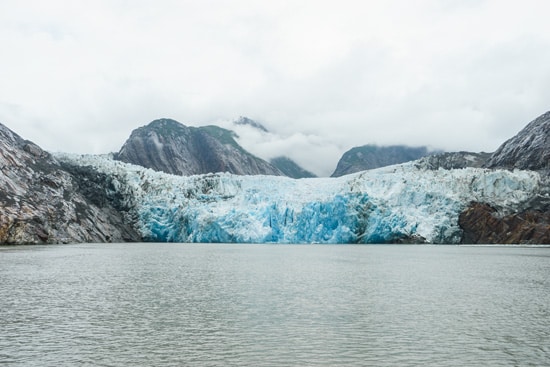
x: 401, y: 203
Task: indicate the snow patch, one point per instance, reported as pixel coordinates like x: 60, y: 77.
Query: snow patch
x: 154, y: 137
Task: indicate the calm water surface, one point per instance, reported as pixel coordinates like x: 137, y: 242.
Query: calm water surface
x: 259, y: 305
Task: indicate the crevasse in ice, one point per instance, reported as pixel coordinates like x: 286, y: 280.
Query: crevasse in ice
x: 380, y: 206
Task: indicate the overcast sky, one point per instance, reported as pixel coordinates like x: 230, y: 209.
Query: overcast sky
x: 323, y: 76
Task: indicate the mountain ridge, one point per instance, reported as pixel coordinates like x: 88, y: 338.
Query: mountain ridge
x: 528, y: 149
x: 290, y: 168
x: 167, y: 145
x: 41, y: 202
x: 242, y: 120
x: 373, y: 156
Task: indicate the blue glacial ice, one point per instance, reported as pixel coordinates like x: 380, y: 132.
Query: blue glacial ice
x: 386, y: 205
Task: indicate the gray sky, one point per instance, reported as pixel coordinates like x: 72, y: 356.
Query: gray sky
x: 323, y: 76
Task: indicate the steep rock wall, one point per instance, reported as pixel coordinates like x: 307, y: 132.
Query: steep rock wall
x: 40, y: 202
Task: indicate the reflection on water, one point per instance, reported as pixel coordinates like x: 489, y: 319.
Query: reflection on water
x: 247, y: 305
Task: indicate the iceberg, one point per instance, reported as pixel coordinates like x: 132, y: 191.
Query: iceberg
x: 401, y: 203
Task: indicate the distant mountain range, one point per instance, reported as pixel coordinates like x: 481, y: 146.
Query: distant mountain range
x: 168, y: 146
x: 67, y: 199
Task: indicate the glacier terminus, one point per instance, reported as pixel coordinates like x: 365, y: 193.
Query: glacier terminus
x: 405, y: 203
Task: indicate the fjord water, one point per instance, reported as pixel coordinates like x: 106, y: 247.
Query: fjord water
x: 262, y: 305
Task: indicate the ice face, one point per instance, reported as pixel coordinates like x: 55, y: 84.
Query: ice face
x: 391, y: 204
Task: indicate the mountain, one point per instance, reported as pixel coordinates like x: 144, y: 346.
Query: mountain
x: 249, y: 122
x: 290, y: 168
x: 40, y: 202
x: 529, y: 149
x: 372, y: 156
x: 67, y: 198
x: 398, y: 204
x: 169, y: 146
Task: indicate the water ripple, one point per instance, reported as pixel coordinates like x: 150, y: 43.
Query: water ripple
x: 225, y: 305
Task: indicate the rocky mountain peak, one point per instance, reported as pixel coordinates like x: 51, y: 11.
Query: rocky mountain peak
x: 246, y: 121
x: 169, y: 146
x: 529, y: 149
x: 164, y: 122
x: 165, y: 126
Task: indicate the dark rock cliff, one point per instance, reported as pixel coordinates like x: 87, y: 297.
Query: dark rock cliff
x: 482, y: 224
x: 40, y: 202
x: 168, y: 146
x: 529, y: 149
x: 371, y: 156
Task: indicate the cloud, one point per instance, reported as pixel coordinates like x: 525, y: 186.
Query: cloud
x: 319, y: 154
x: 456, y: 75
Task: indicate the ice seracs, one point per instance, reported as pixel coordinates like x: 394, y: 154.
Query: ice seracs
x: 402, y: 203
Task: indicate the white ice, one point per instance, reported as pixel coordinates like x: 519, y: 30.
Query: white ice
x: 378, y: 206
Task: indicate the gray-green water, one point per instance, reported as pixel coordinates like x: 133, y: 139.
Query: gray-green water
x: 248, y: 305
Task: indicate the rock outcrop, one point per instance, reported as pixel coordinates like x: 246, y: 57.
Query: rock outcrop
x: 40, y: 202
x: 169, y: 146
x: 372, y: 156
x: 529, y: 224
x: 453, y: 160
x: 529, y: 149
x: 482, y: 224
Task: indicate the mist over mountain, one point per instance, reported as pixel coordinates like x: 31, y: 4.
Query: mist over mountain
x: 311, y: 151
x: 246, y: 121
x: 290, y: 168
